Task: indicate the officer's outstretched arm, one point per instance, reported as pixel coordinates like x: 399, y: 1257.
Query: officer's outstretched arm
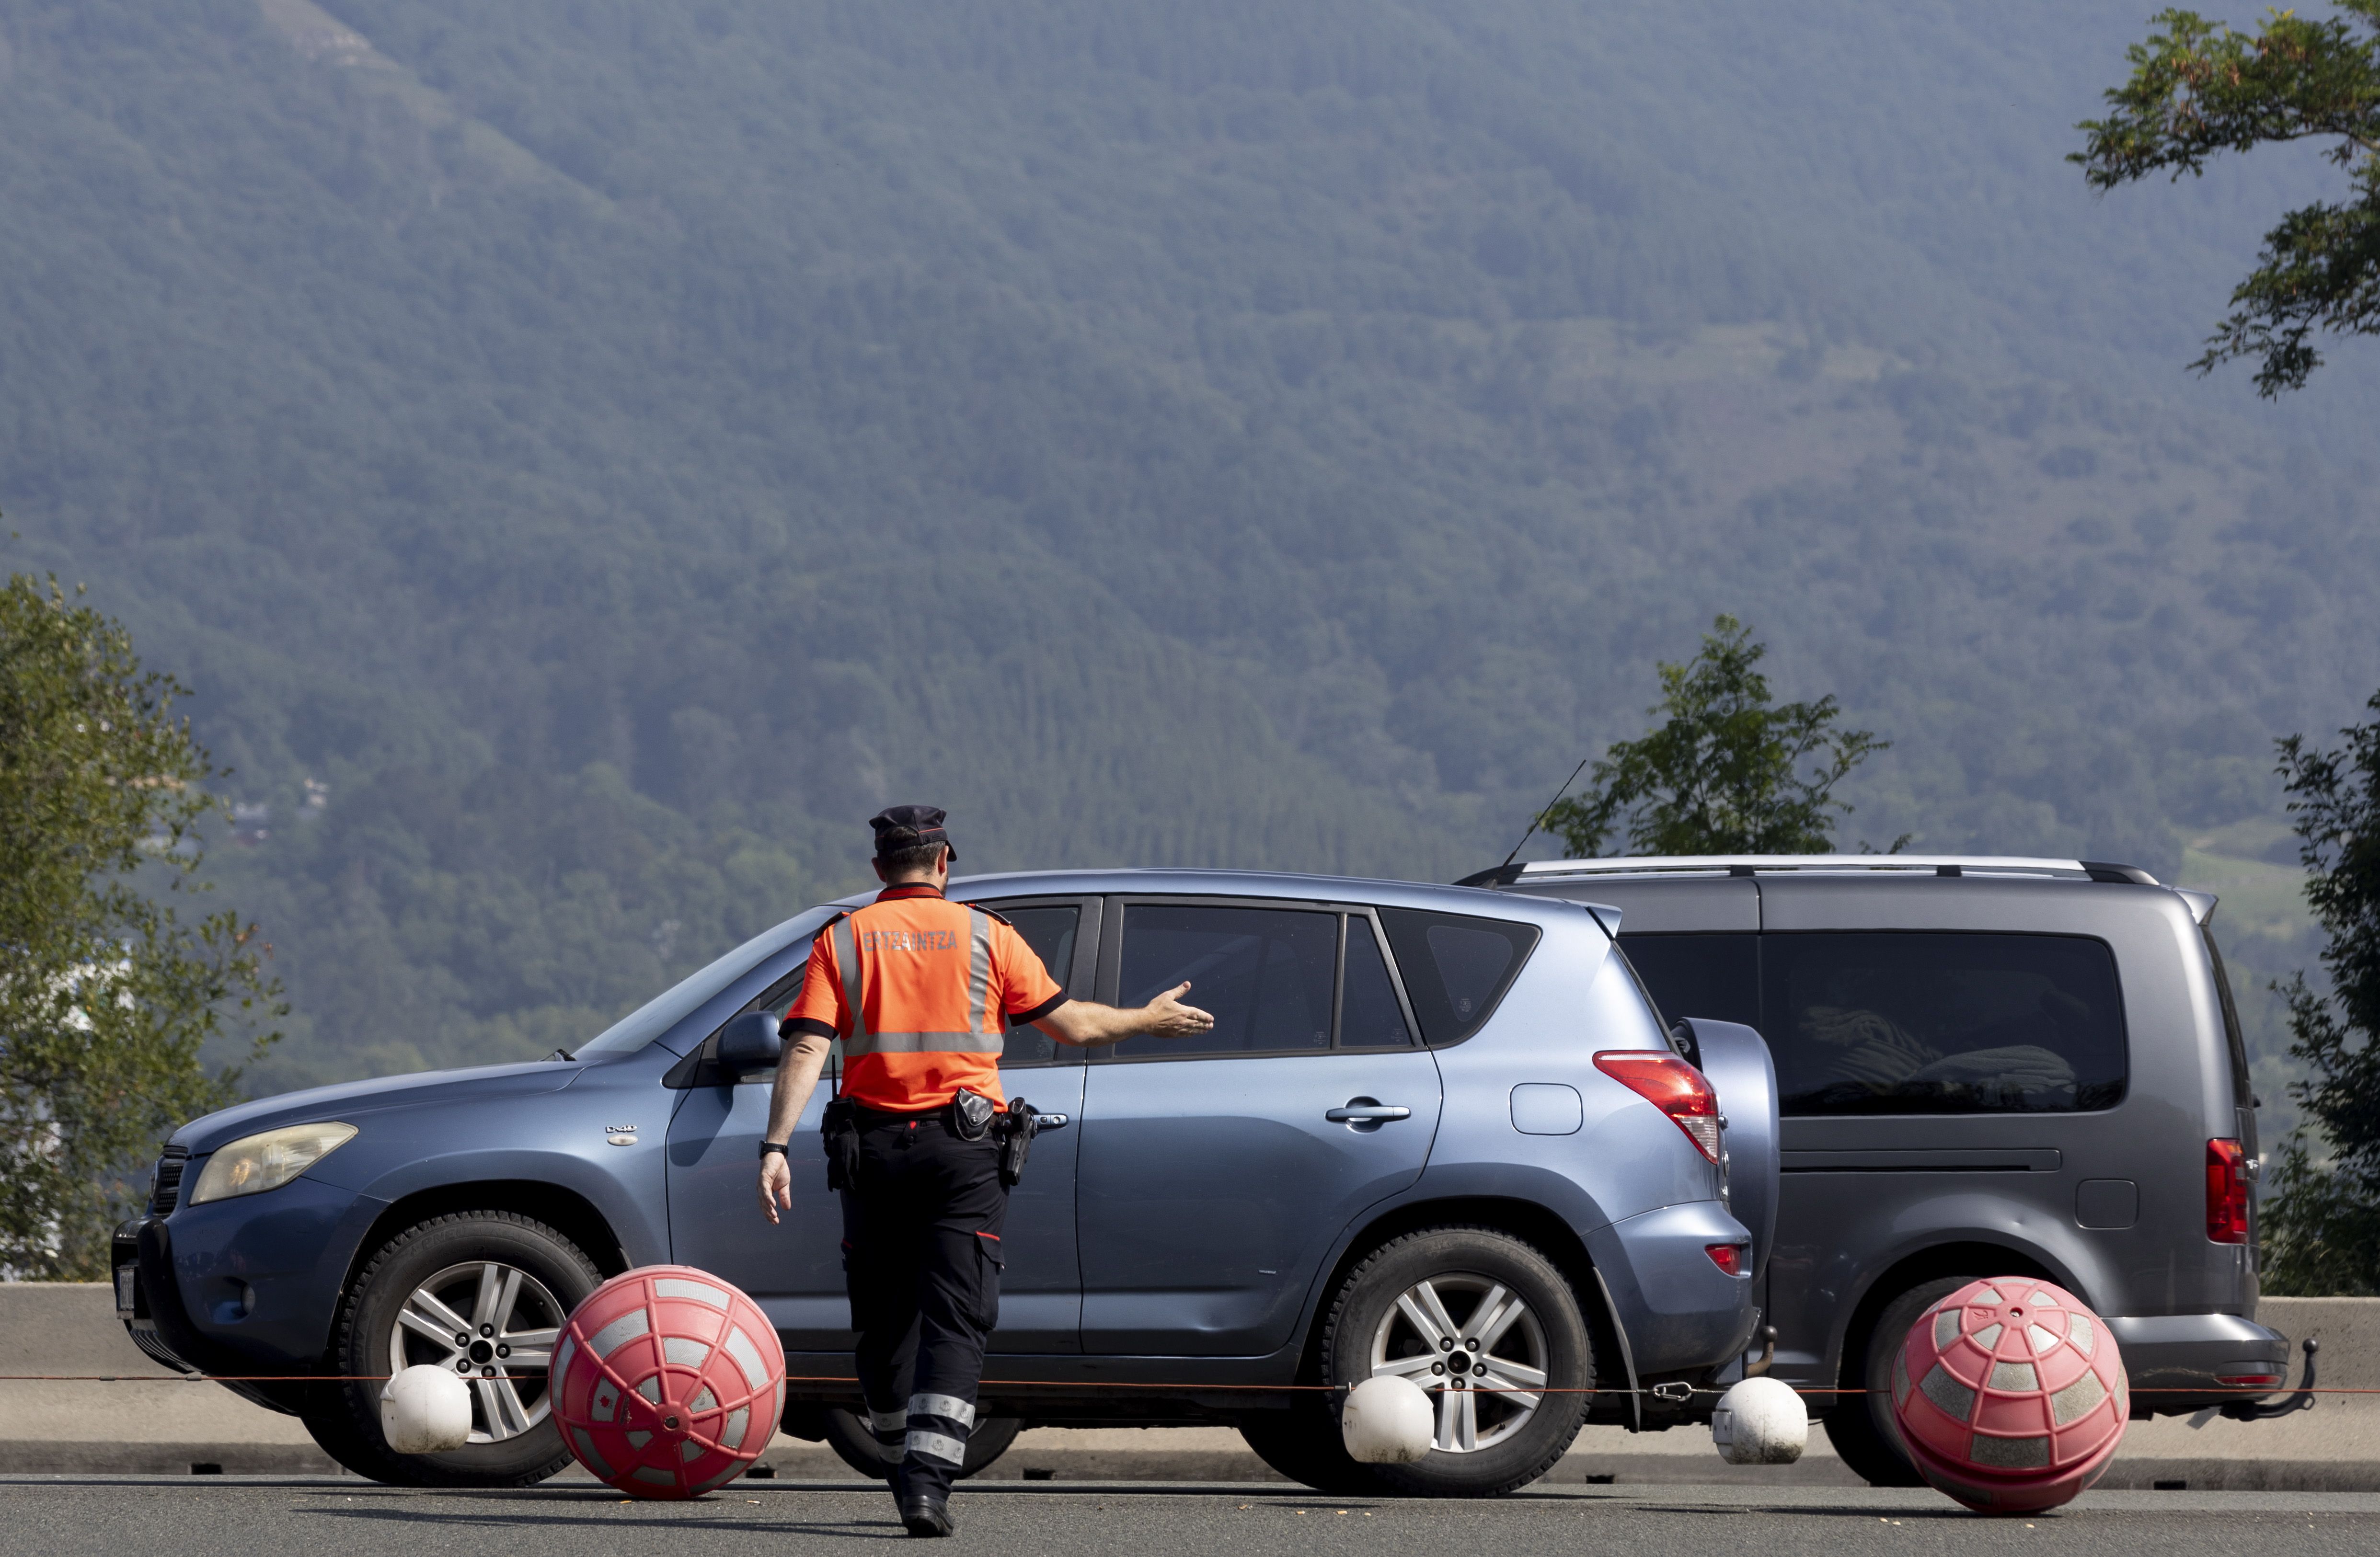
x: 798, y: 1072
x: 1087, y: 1023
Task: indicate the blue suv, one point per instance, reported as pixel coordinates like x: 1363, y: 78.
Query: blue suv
x: 1435, y: 1132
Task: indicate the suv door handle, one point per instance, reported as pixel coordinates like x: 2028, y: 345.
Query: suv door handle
x: 1363, y: 1111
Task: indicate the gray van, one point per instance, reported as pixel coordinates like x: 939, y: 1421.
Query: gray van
x: 1985, y: 1067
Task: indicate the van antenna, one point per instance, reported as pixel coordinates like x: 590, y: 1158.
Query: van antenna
x: 1541, y: 814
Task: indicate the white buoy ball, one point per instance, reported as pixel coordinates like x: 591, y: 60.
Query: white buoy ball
x: 1760, y: 1421
x: 425, y: 1410
x: 1387, y: 1420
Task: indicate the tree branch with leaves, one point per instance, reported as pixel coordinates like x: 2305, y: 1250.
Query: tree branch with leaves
x: 107, y: 995
x: 2321, y: 1222
x: 2199, y: 89
x: 1725, y: 772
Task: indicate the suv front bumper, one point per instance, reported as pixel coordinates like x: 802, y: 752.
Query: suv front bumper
x: 148, y: 1302
x: 2179, y: 1363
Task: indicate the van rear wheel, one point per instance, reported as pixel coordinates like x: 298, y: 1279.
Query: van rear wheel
x: 1861, y: 1428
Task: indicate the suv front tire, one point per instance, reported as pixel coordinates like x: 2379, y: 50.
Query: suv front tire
x: 446, y: 1291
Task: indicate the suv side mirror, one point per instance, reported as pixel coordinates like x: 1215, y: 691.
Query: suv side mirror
x: 751, y: 1041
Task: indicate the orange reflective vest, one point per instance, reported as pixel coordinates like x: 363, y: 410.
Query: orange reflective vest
x: 921, y: 991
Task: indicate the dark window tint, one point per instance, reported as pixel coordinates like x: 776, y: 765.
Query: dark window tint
x: 1048, y: 929
x: 1369, y: 1017
x: 1265, y: 974
x: 1713, y: 976
x: 1456, y: 967
x: 1914, y: 1023
x: 2243, y: 1092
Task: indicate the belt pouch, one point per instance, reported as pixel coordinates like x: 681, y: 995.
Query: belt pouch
x: 971, y: 1115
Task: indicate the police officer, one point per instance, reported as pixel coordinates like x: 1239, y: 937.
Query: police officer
x: 920, y: 989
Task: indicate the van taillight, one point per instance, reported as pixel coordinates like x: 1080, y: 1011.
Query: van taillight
x: 1728, y: 1257
x: 1670, y: 1085
x: 2226, y: 1192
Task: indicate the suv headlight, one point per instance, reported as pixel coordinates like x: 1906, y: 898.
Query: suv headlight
x: 254, y: 1163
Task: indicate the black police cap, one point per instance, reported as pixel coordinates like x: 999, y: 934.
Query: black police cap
x: 907, y: 827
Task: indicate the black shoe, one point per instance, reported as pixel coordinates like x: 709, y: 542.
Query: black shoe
x: 925, y: 1515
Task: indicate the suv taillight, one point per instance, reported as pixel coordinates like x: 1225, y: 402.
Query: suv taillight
x: 2226, y: 1192
x: 1670, y: 1085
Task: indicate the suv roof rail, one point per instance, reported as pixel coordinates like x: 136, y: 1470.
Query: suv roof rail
x: 1759, y: 864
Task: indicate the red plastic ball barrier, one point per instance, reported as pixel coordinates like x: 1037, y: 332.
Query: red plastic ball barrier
x: 2010, y: 1395
x: 668, y: 1383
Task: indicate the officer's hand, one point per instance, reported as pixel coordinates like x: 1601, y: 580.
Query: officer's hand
x: 776, y: 1184
x: 1169, y: 1018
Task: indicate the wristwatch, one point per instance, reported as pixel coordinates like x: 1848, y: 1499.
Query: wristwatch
x: 769, y: 1146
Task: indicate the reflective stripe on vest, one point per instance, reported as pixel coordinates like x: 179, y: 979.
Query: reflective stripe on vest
x: 973, y: 1042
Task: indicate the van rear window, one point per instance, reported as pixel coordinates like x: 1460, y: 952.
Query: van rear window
x: 1716, y: 976
x: 1917, y: 1023
x: 1455, y: 966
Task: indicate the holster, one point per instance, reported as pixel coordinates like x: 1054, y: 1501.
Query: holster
x: 1017, y: 1129
x: 839, y: 1133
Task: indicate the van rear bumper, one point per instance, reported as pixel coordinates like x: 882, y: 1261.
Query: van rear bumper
x: 2178, y: 1362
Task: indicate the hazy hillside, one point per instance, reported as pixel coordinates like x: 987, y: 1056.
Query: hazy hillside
x: 613, y: 447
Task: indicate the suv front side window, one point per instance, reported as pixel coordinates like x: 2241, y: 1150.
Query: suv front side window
x: 1926, y: 1023
x: 1051, y: 930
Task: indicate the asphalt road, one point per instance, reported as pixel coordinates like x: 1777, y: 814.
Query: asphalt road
x: 133, y: 1516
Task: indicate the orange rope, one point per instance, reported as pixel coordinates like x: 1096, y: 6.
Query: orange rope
x: 1065, y: 1383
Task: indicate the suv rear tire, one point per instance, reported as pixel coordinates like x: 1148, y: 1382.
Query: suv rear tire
x: 1862, y: 1428
x: 851, y: 1441
x: 448, y: 1254
x: 1448, y: 1308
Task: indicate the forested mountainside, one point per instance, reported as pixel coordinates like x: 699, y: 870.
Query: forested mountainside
x: 587, y: 455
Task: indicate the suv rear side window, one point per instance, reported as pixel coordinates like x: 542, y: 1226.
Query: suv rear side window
x: 1917, y: 1023
x: 1456, y: 967
x: 1266, y: 974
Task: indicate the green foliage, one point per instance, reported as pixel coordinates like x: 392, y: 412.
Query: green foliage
x: 1725, y: 772
x: 2322, y: 1211
x: 2199, y: 87
x: 616, y: 448
x: 106, y: 995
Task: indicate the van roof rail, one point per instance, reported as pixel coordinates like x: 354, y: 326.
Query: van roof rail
x: 1830, y: 865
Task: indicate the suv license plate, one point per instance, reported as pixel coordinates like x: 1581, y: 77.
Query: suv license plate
x: 127, y: 1291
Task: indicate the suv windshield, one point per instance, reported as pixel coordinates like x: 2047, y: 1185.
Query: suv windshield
x: 680, y: 1000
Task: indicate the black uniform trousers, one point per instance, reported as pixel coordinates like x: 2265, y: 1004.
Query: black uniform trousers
x: 921, y: 1260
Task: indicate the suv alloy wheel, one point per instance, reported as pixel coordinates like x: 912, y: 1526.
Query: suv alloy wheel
x: 1488, y: 1327
x: 482, y: 1292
